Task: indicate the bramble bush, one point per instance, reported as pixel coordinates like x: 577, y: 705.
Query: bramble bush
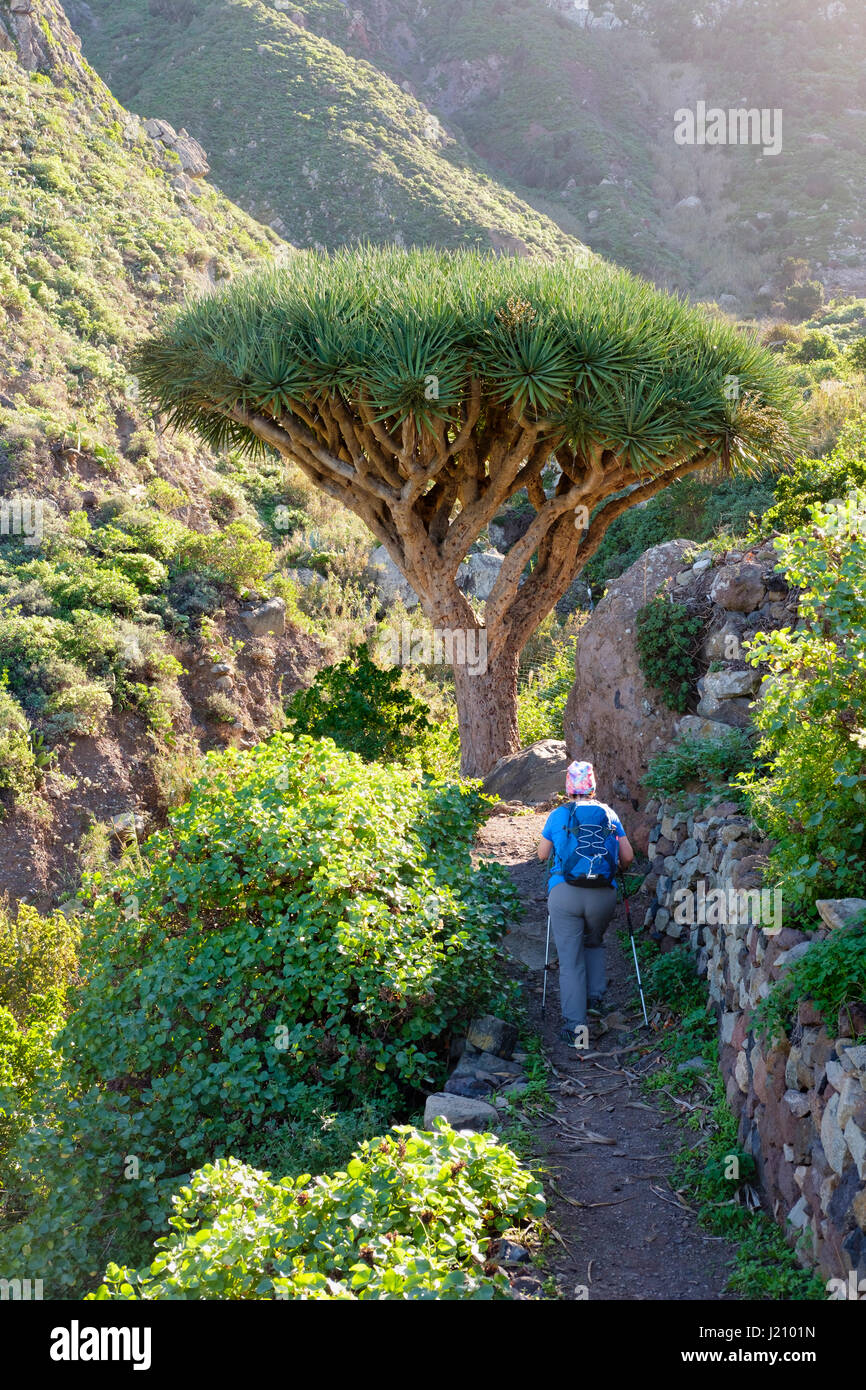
x: 809, y: 793
x: 306, y: 934
x: 410, y: 1218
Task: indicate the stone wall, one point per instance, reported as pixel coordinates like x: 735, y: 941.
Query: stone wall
x: 801, y: 1105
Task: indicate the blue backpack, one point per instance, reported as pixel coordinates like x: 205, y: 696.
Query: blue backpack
x: 589, y: 861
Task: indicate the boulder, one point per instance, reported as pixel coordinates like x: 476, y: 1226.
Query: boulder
x: 839, y: 912
x: 738, y: 588
x: 390, y: 583
x: 694, y: 726
x: 461, y: 1112
x: 269, y: 617
x: 481, y: 573
x: 726, y: 685
x: 533, y: 775
x: 613, y: 718
x: 494, y: 1035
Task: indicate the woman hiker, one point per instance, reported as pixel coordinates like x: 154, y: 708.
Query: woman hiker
x: 587, y: 841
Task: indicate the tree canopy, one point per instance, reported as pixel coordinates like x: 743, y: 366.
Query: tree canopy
x: 423, y: 389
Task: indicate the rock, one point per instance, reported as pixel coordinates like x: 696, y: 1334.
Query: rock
x: 798, y: 1216
x: 687, y: 850
x: 852, y: 1102
x: 470, y: 1086
x: 695, y: 726
x: 738, y: 588
x: 488, y: 1063
x: 510, y: 1253
x: 690, y: 204
x: 851, y: 1022
x: 840, y: 912
x: 797, y: 1103
x: 493, y: 1035
x: 855, y: 1140
x: 481, y: 573
x: 127, y: 825
x: 832, y: 1138
x: 514, y: 1088
x: 733, y: 712
x: 303, y: 576
x: 390, y: 583
x: 191, y: 155
x: 533, y: 775
x: 613, y: 717
x: 269, y: 617
x: 461, y: 1112
x: 723, y: 643
x: 693, y: 1064
x: 725, y: 685
x: 526, y: 1287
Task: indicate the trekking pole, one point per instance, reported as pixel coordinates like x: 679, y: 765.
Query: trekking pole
x: 546, y: 968
x: 633, y: 948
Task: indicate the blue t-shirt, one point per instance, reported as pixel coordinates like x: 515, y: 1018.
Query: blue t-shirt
x: 555, y: 830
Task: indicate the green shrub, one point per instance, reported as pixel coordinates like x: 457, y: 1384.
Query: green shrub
x: 668, y: 641
x: 830, y: 975
x: 77, y: 709
x: 857, y: 354
x: 809, y: 795
x: 671, y: 979
x: 818, y: 480
x: 37, y: 963
x: 363, y: 708
x: 817, y: 346
x: 235, y: 555
x: 410, y: 1218
x: 18, y: 771
x: 710, y: 762
x: 306, y: 934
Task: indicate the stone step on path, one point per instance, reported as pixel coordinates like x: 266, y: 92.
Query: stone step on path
x: 624, y: 1232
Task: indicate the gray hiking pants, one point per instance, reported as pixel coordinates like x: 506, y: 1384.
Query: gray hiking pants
x: 578, y: 920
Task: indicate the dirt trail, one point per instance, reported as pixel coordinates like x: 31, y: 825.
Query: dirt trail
x: 613, y: 1204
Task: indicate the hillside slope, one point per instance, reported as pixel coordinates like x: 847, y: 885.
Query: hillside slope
x: 364, y: 121
x: 111, y: 554
x: 320, y: 143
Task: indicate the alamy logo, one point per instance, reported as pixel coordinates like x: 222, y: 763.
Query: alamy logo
x: 443, y: 646
x: 737, y: 126
x: 22, y: 516
x: 23, y: 1289
x: 77, y: 1343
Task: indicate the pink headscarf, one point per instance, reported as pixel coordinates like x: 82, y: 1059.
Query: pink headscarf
x: 580, y: 780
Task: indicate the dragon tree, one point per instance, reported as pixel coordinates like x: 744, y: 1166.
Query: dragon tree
x: 423, y: 389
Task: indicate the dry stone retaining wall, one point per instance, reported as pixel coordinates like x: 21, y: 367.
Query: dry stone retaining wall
x: 801, y: 1104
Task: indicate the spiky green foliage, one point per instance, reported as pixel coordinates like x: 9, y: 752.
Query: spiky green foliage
x: 424, y: 389
x: 607, y: 358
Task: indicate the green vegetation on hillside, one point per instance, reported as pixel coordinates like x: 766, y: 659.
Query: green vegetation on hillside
x: 300, y: 941
x: 297, y: 129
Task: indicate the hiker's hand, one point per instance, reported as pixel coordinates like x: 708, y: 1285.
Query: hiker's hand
x: 544, y: 848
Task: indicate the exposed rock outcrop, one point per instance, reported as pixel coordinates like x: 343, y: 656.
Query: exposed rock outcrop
x: 613, y: 718
x: 619, y: 722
